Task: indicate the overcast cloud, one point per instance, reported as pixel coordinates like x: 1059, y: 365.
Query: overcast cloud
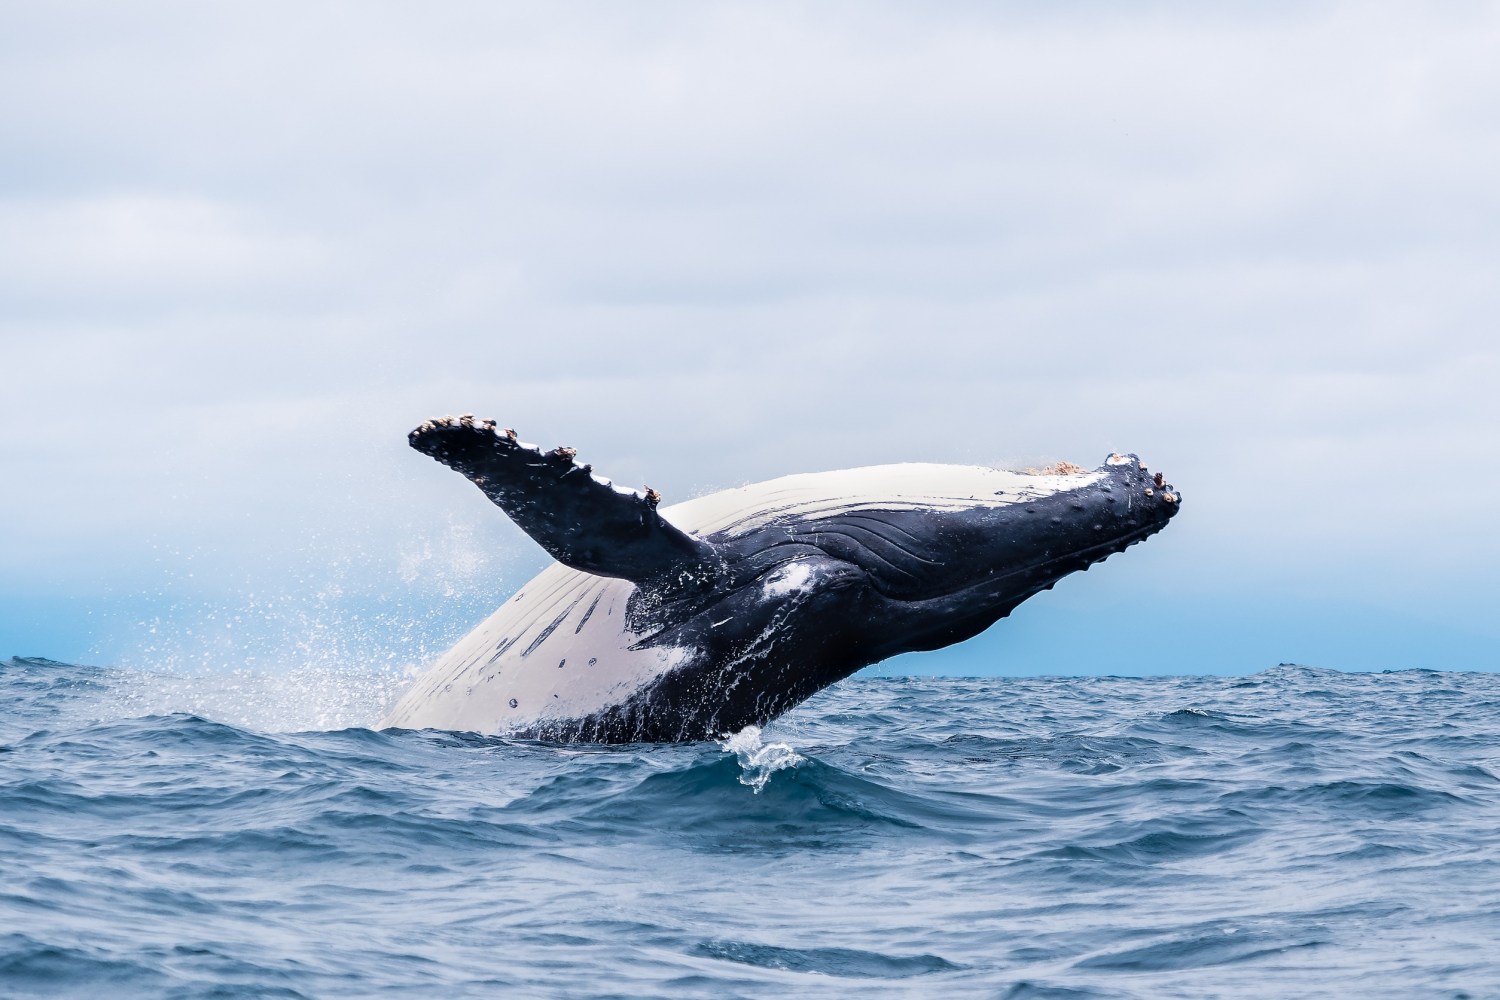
x: 244, y: 249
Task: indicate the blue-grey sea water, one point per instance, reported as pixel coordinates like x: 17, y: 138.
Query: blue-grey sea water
x: 1297, y: 833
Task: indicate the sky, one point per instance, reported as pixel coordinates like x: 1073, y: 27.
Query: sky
x: 245, y: 248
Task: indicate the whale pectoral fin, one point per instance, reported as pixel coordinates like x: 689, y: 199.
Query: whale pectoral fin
x: 582, y: 521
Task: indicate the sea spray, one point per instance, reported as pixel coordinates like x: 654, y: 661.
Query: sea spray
x: 759, y: 760
x: 306, y: 697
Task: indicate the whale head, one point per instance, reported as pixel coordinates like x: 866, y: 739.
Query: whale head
x: 994, y: 556
x: 948, y: 550
x: 1070, y: 519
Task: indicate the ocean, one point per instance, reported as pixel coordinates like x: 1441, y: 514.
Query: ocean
x: 1296, y: 833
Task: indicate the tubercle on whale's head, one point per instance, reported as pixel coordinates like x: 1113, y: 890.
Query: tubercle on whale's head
x: 1130, y: 471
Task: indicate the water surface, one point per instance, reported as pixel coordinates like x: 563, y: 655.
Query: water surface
x: 1298, y: 833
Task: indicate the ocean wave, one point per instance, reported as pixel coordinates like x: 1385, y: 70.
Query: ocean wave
x: 848, y: 963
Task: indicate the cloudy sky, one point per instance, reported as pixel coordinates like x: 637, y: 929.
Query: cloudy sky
x: 245, y: 248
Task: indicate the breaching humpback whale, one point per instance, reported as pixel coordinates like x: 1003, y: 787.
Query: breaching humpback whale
x: 693, y: 621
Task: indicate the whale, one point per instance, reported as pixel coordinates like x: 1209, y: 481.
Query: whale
x: 695, y: 620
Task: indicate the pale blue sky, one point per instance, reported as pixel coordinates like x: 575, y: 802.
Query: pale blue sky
x: 244, y: 249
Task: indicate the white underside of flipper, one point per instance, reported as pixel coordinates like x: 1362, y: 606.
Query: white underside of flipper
x: 560, y: 648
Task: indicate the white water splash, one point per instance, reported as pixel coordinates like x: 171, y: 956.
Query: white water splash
x: 305, y: 698
x: 790, y: 579
x: 326, y: 638
x: 758, y: 760
x: 276, y: 664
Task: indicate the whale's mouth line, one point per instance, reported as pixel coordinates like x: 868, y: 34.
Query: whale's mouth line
x: 1118, y: 544
x: 1109, y: 548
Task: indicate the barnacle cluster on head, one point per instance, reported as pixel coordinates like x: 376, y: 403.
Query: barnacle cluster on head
x: 1055, y: 469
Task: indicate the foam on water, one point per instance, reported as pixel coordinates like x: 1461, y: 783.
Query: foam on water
x: 758, y: 759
